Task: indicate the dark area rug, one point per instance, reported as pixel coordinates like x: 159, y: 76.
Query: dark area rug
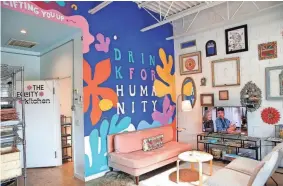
x: 113, y: 179
x: 118, y: 178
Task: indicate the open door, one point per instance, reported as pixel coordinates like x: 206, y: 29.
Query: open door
x: 43, y: 130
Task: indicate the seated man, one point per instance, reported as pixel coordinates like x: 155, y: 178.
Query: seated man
x: 222, y: 123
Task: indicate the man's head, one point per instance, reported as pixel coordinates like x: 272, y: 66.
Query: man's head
x: 220, y: 112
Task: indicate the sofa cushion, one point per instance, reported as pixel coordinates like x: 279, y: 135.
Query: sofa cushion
x: 152, y: 143
x: 132, y: 141
x: 255, y: 172
x: 225, y: 177
x: 277, y: 147
x: 140, y: 159
x: 267, y: 170
x: 243, y: 165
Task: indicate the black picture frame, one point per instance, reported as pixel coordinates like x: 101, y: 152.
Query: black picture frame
x: 210, y: 44
x: 245, y: 27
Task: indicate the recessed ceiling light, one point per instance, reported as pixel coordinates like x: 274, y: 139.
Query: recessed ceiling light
x: 23, y: 31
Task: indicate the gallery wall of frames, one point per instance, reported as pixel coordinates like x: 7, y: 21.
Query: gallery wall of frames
x: 234, y: 65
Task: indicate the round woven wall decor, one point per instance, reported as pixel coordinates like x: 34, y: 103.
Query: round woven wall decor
x: 251, y: 96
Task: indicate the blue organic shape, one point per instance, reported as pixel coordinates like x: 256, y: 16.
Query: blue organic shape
x: 118, y: 127
x: 170, y: 120
x: 145, y: 125
x: 99, y: 159
x: 60, y: 3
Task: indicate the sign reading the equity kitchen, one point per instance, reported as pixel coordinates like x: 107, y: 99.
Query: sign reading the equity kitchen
x: 34, y: 94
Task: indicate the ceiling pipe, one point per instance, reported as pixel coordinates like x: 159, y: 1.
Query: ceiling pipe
x: 184, y: 13
x: 143, y: 4
x: 223, y: 23
x: 99, y: 7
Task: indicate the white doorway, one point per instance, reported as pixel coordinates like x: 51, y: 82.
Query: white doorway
x: 50, y: 61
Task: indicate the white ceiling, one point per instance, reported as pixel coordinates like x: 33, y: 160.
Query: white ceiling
x: 169, y: 8
x: 189, y: 17
x: 45, y: 33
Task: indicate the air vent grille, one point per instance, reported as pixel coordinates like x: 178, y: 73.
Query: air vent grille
x: 21, y: 43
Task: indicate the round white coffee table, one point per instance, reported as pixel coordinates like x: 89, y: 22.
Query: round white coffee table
x: 195, y: 157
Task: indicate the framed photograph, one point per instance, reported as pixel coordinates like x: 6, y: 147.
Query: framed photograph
x: 274, y: 83
x: 210, y: 48
x: 225, y: 72
x: 188, y: 44
x: 267, y: 50
x: 223, y: 95
x: 207, y: 100
x: 236, y: 39
x: 190, y: 63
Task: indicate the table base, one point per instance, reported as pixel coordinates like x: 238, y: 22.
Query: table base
x: 193, y: 172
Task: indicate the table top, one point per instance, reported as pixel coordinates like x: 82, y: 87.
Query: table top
x: 275, y: 140
x: 230, y: 136
x: 195, y: 156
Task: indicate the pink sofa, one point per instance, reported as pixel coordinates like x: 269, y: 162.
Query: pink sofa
x: 125, y: 151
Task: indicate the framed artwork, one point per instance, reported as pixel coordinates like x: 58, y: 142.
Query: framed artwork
x: 267, y: 50
x: 210, y: 48
x: 281, y: 83
x: 207, y: 100
x: 190, y: 63
x: 274, y: 83
x: 236, y: 39
x: 189, y: 91
x: 223, y: 95
x: 225, y: 72
x: 188, y: 44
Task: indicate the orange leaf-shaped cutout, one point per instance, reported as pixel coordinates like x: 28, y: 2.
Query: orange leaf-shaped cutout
x: 96, y: 112
x: 108, y: 93
x: 87, y: 93
x: 102, y: 71
x: 86, y: 71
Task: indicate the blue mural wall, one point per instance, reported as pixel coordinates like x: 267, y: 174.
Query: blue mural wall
x: 132, y: 58
x: 128, y: 75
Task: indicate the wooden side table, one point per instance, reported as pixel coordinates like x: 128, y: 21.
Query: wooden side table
x: 195, y: 157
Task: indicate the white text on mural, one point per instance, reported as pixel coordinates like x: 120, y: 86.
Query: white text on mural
x: 131, y: 74
x: 29, y: 7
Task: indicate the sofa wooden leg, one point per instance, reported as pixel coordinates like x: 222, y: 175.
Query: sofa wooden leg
x: 137, y: 180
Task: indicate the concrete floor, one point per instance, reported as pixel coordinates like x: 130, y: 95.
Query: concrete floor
x: 63, y: 176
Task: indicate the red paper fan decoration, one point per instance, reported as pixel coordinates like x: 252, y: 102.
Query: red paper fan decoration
x: 270, y: 115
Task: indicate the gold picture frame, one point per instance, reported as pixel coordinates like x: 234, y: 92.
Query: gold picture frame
x: 190, y: 63
x: 227, y: 74
x: 267, y: 50
x: 207, y: 100
x: 223, y: 95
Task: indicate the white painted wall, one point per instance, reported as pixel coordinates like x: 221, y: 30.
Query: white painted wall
x: 260, y: 30
x: 17, y: 58
x: 60, y: 63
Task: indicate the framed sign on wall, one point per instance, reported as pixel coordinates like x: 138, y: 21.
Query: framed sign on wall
x: 207, y: 100
x: 190, y: 63
x: 236, y: 39
x: 267, y: 50
x: 223, y: 95
x: 274, y: 83
x: 225, y: 72
x: 210, y: 48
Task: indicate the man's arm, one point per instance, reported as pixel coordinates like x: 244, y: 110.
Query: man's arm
x: 228, y: 122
